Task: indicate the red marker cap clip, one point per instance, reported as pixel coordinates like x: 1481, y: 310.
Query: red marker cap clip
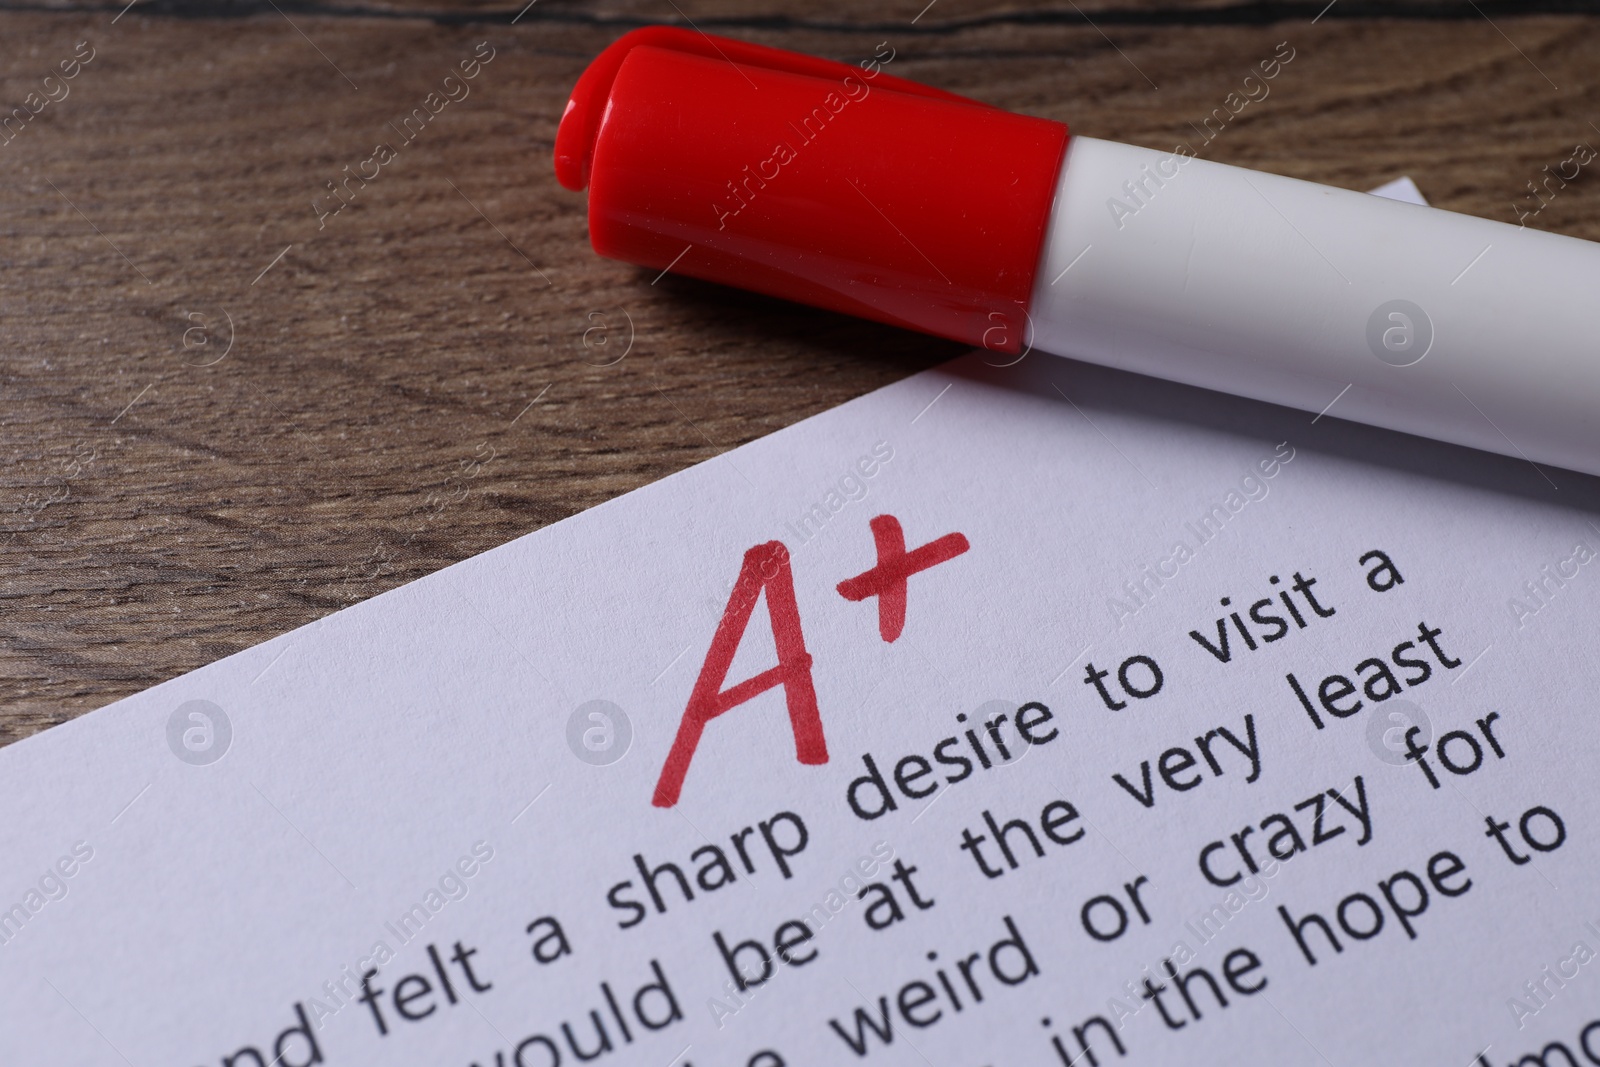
x: 831, y: 184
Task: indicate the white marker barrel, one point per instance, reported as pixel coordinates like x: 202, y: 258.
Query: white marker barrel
x: 1416, y: 319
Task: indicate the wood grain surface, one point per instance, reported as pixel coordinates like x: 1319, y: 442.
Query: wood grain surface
x: 222, y: 418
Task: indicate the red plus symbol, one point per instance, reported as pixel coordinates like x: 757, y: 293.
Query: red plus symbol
x: 887, y: 581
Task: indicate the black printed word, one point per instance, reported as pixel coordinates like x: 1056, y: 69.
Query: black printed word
x: 884, y: 910
x: 870, y: 796
x: 1338, y: 695
x: 1236, y: 965
x: 756, y: 968
x: 784, y: 834
x: 414, y: 997
x: 1323, y: 821
x: 1541, y: 828
x: 1141, y: 684
x: 1457, y: 751
x: 299, y: 1040
x: 919, y: 1005
x: 1269, y: 627
x: 655, y: 1007
x: 1055, y: 821
x: 1362, y: 918
x: 1178, y: 767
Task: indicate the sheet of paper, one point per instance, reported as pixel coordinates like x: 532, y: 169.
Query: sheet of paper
x: 1402, y: 189
x: 1066, y: 717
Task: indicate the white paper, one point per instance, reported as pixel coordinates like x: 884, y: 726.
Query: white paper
x: 375, y: 755
x: 1403, y: 189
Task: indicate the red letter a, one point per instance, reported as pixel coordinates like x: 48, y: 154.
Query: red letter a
x: 766, y: 567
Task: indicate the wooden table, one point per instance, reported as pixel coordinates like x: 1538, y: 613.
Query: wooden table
x: 224, y: 417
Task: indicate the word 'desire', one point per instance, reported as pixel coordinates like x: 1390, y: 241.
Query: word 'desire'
x: 766, y: 569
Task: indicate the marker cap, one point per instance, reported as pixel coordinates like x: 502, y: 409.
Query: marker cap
x: 831, y: 184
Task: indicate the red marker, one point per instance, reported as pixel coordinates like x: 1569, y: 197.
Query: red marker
x: 842, y: 186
